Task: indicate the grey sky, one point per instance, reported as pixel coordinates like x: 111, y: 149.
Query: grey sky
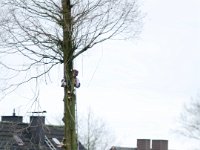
x: 138, y: 86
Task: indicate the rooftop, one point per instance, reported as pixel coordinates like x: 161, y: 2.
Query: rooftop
x: 17, y: 135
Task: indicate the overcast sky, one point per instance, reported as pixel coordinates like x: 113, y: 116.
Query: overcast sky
x: 137, y: 86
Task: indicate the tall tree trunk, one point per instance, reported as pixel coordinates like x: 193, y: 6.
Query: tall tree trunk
x: 70, y: 140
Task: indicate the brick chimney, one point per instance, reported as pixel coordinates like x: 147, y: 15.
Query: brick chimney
x: 143, y: 144
x: 36, y: 129
x: 159, y: 144
x: 13, y: 118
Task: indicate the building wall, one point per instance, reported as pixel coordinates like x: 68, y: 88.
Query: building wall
x: 159, y: 145
x: 143, y: 144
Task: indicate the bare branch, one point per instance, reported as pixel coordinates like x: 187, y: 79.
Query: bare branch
x: 189, y: 120
x: 34, y: 29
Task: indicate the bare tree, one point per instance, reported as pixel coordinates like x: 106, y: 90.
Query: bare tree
x: 189, y: 120
x: 45, y: 33
x: 94, y: 134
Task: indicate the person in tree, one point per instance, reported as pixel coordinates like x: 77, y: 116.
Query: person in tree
x: 76, y: 80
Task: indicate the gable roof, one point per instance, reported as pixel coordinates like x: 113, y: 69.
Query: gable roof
x: 16, y: 135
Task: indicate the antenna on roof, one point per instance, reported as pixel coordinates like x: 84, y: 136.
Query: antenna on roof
x: 38, y: 112
x: 14, y: 112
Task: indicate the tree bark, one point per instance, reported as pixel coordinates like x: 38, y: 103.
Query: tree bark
x: 70, y: 140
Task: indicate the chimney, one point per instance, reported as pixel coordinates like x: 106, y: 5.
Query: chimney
x: 36, y: 129
x: 159, y: 144
x: 13, y: 118
x: 143, y: 144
